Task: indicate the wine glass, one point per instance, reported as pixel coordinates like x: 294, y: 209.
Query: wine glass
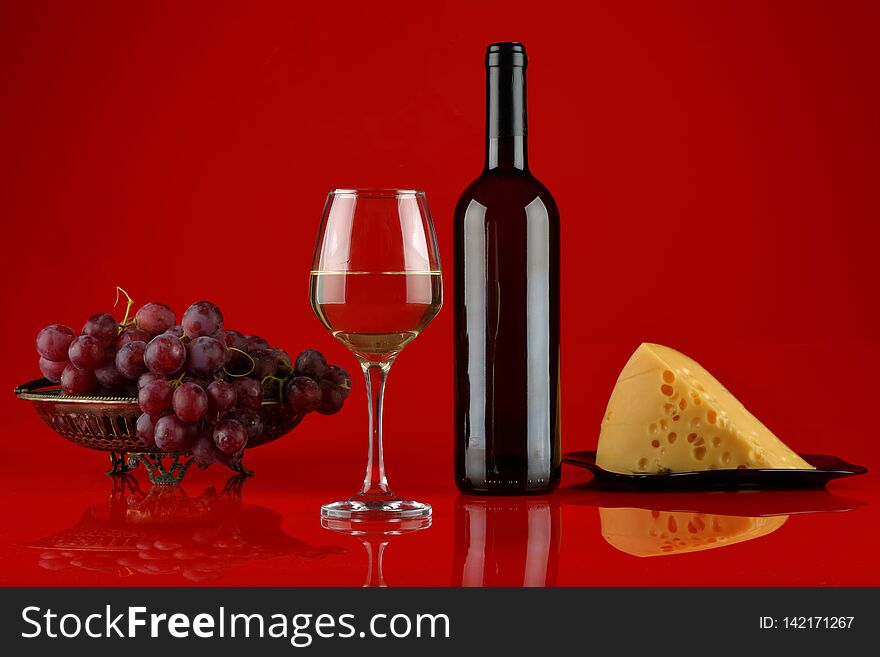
x: 376, y: 284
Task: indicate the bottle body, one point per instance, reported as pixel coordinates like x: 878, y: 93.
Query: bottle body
x: 507, y: 336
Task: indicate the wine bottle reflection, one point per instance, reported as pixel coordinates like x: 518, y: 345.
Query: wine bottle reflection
x: 506, y: 541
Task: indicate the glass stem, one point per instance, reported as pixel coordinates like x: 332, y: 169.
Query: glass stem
x: 375, y: 578
x: 375, y: 481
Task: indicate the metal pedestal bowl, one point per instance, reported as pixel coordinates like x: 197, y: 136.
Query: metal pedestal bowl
x: 107, y: 424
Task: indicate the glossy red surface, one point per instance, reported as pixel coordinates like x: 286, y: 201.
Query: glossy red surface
x: 66, y: 523
x: 715, y: 173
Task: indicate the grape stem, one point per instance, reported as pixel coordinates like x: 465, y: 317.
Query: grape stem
x: 253, y: 363
x: 124, y: 323
x: 281, y: 382
x: 176, y: 383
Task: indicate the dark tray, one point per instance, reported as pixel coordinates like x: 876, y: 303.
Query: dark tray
x: 827, y: 468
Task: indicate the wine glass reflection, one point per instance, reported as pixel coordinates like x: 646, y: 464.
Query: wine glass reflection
x: 506, y: 541
x: 375, y: 535
x: 164, y: 531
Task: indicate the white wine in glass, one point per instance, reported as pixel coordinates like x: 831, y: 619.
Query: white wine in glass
x: 376, y: 314
x: 376, y: 284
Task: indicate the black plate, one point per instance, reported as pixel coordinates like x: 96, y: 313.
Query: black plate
x: 827, y: 468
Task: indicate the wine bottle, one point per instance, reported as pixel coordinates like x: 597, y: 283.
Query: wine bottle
x: 506, y: 305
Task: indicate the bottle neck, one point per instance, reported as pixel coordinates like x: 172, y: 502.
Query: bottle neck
x: 506, y: 147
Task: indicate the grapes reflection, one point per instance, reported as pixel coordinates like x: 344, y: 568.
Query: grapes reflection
x: 164, y: 531
x: 506, y: 541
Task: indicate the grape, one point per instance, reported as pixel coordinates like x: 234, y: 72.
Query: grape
x: 285, y: 364
x: 165, y: 354
x: 130, y: 359
x: 340, y: 378
x: 201, y: 381
x: 236, y: 361
x: 229, y: 436
x: 109, y: 376
x: 230, y: 460
x: 221, y: 396
x: 147, y: 377
x: 235, y: 339
x: 132, y: 334
x: 146, y: 430
x: 265, y: 363
x: 192, y: 432
x: 52, y: 369
x: 219, y: 336
x: 155, y: 397
x: 249, y: 393
x: 75, y: 381
x: 202, y: 318
x: 85, y: 352
x: 310, y: 363
x: 331, y: 398
x: 190, y: 402
x: 176, y: 330
x: 172, y: 434
x: 303, y: 394
x: 255, y: 342
x: 204, y: 451
x: 155, y: 318
x: 249, y: 419
x: 103, y: 328
x: 54, y: 341
x: 206, y: 356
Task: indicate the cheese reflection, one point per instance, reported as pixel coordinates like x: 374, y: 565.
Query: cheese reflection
x: 650, y: 533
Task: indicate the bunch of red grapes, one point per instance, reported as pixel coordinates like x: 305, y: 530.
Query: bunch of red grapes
x: 198, y: 384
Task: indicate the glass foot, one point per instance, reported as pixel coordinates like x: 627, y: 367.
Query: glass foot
x: 386, y: 508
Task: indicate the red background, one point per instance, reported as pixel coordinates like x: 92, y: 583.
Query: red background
x: 715, y: 166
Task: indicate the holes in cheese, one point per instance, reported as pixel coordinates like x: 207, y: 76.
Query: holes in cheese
x: 719, y: 432
x: 647, y: 533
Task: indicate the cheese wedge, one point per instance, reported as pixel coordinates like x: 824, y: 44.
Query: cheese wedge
x: 647, y: 533
x: 668, y: 414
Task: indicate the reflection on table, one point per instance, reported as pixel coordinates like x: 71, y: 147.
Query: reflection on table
x: 375, y: 536
x: 658, y: 524
x: 506, y: 541
x: 164, y: 531
x: 651, y: 533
